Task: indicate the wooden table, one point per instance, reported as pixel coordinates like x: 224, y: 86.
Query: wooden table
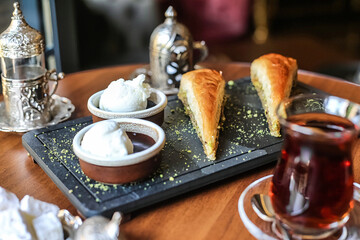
x: 207, y: 213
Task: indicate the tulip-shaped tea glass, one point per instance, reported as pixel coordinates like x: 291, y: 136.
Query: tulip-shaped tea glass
x: 312, y: 187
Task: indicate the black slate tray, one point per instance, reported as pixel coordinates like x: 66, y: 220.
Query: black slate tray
x: 245, y: 144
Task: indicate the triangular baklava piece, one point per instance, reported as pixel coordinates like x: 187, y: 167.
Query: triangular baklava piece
x: 202, y: 93
x: 273, y: 76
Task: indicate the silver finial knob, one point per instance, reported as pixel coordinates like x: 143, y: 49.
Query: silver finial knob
x: 17, y: 14
x: 170, y: 13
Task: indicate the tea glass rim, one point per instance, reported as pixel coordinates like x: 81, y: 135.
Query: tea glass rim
x: 282, y: 116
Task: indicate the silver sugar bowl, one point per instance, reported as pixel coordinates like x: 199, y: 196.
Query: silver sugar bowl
x: 25, y: 80
x: 171, y: 52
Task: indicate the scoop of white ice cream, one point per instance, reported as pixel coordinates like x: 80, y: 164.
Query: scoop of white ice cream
x: 125, y: 96
x: 107, y: 139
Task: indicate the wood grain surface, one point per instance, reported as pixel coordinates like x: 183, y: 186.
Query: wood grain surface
x: 207, y: 213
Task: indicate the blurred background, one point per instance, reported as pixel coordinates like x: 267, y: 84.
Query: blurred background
x: 323, y: 35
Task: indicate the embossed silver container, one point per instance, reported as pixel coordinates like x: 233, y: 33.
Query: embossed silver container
x: 24, y: 78
x: 171, y: 52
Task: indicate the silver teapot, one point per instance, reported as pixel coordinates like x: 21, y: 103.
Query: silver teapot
x: 172, y: 52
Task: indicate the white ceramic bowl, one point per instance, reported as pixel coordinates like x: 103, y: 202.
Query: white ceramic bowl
x: 129, y: 168
x: 154, y: 114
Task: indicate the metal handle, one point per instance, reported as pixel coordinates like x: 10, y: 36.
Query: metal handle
x: 55, y: 77
x: 202, y: 48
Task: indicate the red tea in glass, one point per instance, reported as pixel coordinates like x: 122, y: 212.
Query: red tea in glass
x: 312, y: 186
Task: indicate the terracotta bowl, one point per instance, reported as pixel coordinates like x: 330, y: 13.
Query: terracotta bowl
x: 148, y: 139
x: 154, y: 113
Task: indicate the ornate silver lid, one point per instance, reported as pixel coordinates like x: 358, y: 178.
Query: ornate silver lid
x: 164, y: 35
x: 20, y: 40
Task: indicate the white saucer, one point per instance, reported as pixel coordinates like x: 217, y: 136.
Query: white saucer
x: 60, y: 110
x: 261, y: 229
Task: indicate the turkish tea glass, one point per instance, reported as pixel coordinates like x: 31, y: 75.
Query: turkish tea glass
x: 25, y: 87
x: 312, y: 186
